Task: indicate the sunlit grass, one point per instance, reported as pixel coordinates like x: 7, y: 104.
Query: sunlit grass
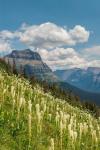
x: 33, y: 120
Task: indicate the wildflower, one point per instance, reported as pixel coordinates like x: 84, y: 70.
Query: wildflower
x: 38, y: 113
x: 94, y: 136
x: 44, y: 108
x: 30, y: 106
x: 20, y: 102
x: 37, y: 106
x: 29, y: 124
x: 51, y: 144
x: 50, y: 116
x: 57, y: 118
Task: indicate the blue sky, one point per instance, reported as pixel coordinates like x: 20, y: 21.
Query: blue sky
x: 69, y: 13
x: 62, y: 12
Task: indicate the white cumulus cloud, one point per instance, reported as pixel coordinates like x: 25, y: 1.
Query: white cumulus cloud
x: 4, y: 47
x: 79, y: 34
x: 50, y: 41
x: 6, y: 35
x: 50, y: 35
x: 92, y: 52
x: 47, y: 35
x: 62, y: 58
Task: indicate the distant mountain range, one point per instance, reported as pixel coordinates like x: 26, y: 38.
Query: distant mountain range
x: 85, y: 79
x: 31, y: 64
x: 83, y: 94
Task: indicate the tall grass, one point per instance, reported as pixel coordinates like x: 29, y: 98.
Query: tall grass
x: 33, y: 120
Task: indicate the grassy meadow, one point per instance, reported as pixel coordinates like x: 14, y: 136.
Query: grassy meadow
x: 33, y: 120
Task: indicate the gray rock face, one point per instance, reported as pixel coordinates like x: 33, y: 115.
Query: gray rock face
x: 86, y: 79
x: 31, y: 63
x: 25, y: 54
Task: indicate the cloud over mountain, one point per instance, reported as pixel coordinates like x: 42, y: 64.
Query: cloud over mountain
x: 92, y: 52
x: 63, y: 58
x: 60, y: 58
x: 4, y: 46
x: 51, y: 40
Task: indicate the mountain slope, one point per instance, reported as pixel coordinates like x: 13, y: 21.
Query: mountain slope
x: 4, y: 65
x: 31, y: 119
x: 31, y: 64
x: 91, y: 97
x: 86, y: 79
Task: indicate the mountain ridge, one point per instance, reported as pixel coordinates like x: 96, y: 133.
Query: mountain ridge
x: 25, y: 54
x: 85, y: 79
x: 31, y: 63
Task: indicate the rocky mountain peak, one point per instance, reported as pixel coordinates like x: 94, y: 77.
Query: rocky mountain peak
x: 31, y: 63
x: 25, y: 54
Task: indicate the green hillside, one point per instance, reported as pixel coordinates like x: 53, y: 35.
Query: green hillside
x: 5, y: 66
x: 33, y: 120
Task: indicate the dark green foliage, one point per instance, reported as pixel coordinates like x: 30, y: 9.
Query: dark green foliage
x: 92, y: 107
x: 14, y: 67
x: 5, y: 66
